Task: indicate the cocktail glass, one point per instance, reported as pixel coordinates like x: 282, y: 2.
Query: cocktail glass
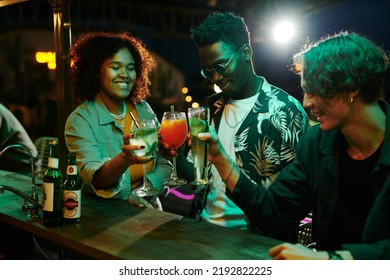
x: 198, y: 119
x: 174, y: 131
x: 145, y: 134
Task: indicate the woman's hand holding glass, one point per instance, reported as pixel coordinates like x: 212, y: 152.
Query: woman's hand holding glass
x: 129, y: 154
x: 144, y: 134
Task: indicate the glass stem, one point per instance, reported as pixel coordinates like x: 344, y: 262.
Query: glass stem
x: 174, y: 175
x: 145, y: 179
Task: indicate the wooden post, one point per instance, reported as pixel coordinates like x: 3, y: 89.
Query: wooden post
x: 62, y: 42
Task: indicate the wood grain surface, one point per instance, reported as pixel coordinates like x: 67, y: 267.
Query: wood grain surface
x: 113, y: 229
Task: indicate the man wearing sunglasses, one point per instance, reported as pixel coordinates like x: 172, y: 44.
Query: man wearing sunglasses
x: 257, y: 123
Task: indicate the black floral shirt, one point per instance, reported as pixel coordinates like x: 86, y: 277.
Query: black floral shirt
x: 265, y: 141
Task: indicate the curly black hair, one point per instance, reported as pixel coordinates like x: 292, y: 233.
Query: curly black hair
x: 90, y: 50
x: 342, y: 63
x: 221, y: 27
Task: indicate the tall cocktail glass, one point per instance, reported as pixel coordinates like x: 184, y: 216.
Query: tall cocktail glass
x: 174, y: 129
x: 145, y: 134
x: 198, y: 119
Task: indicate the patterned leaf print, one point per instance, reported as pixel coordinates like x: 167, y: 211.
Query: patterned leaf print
x: 258, y: 106
x: 260, y: 155
x: 240, y: 164
x: 292, y: 136
x: 240, y: 141
x: 287, y: 153
x: 279, y: 121
x: 260, y: 118
x: 266, y: 160
x: 296, y: 128
x: 239, y: 161
x: 266, y: 182
x: 275, y: 105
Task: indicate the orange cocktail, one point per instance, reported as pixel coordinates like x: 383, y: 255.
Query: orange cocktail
x: 174, y: 131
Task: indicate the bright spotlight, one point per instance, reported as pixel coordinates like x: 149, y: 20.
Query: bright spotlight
x: 284, y: 31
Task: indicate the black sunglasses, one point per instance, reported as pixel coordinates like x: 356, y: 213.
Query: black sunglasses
x: 219, y: 68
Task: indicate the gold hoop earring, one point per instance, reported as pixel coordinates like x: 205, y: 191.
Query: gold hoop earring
x: 350, y: 99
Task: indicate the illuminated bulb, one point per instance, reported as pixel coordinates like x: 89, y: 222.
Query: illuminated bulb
x: 188, y: 98
x: 184, y: 90
x: 51, y: 65
x: 40, y: 57
x: 283, y: 32
x: 195, y: 105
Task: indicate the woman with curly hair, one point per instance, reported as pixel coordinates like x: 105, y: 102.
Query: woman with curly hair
x: 110, y: 75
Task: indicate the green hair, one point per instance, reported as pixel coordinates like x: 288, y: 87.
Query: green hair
x: 343, y: 63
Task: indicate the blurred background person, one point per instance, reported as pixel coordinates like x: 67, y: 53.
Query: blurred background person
x: 15, y: 243
x: 13, y: 132
x: 110, y: 73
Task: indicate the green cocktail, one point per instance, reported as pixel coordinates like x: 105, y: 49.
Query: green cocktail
x: 146, y: 137
x: 198, y: 122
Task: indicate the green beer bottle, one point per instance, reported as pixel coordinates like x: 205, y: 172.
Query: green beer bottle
x: 52, y: 189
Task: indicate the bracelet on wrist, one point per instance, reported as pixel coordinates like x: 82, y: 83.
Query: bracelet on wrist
x: 333, y: 255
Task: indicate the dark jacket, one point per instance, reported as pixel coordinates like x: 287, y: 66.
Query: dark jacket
x: 310, y: 183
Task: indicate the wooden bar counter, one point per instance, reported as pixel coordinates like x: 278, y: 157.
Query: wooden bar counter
x: 113, y: 229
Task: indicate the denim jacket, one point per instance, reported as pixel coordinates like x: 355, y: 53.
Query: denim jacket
x: 94, y: 136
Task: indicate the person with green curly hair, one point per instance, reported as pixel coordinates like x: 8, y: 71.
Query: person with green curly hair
x: 110, y: 74
x: 342, y: 168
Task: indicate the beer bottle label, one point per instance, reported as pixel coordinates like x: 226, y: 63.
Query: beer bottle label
x: 72, y: 204
x: 53, y: 162
x: 48, y: 194
x: 71, y: 170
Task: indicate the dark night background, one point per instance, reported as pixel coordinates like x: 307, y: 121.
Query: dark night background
x: 164, y: 26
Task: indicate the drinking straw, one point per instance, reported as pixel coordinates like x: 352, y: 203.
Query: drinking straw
x: 134, y: 120
x: 206, y: 144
